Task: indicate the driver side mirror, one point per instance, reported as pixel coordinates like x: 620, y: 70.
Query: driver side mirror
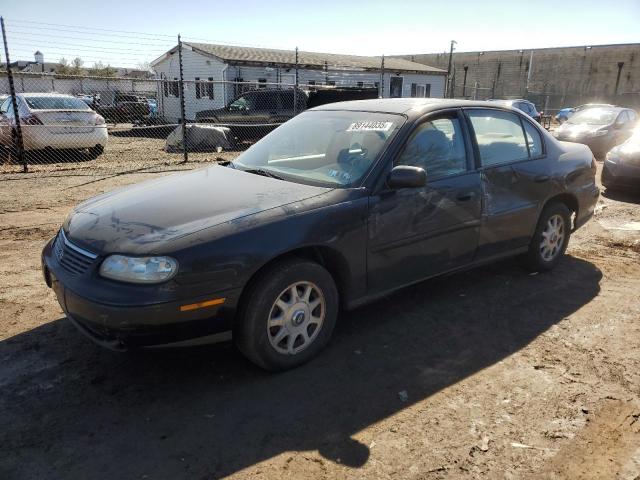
x: 404, y: 176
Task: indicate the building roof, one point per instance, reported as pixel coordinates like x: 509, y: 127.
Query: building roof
x: 252, y: 55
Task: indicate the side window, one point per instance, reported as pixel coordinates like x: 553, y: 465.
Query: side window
x: 266, y: 101
x: 437, y: 146
x: 533, y: 139
x: 5, y: 105
x: 286, y: 99
x: 499, y: 136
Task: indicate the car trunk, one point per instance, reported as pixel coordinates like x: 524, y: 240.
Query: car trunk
x: 66, y: 121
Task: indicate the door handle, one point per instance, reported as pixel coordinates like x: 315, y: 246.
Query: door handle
x: 542, y: 178
x: 465, y: 196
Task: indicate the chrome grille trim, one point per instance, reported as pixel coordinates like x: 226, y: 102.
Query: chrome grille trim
x: 81, y: 251
x: 72, y: 258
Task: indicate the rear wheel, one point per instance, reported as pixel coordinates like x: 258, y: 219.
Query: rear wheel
x: 550, y: 239
x: 95, y: 152
x: 288, y: 315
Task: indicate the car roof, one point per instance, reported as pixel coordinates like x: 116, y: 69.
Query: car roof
x: 44, y: 94
x: 411, y: 107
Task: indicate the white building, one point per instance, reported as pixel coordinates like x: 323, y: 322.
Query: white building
x: 212, y: 74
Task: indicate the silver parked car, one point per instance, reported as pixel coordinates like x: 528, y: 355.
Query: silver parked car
x: 53, y: 121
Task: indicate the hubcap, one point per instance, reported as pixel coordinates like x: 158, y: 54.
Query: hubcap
x: 296, y: 318
x: 552, y: 238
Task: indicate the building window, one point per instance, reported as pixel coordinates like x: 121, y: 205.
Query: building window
x: 331, y: 82
x: 175, y: 87
x: 262, y: 83
x: 360, y: 84
x: 210, y: 88
x: 427, y: 90
x: 165, y: 87
x: 197, y: 87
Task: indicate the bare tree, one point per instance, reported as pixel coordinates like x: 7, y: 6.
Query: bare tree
x: 76, y: 66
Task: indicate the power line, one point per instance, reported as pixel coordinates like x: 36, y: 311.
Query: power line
x: 101, y: 39
x: 94, y: 28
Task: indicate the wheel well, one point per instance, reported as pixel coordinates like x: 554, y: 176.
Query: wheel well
x: 568, y: 199
x: 329, y: 258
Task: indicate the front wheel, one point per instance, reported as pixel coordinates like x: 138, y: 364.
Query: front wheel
x: 550, y: 239
x: 288, y: 314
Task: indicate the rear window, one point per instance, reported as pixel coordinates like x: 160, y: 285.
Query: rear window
x: 55, y: 103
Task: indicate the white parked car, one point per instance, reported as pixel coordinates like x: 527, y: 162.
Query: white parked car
x: 53, y: 121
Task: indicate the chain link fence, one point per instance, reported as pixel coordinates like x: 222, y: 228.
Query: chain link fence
x: 164, y: 105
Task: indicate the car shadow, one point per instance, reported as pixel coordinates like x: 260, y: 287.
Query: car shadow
x: 73, y: 410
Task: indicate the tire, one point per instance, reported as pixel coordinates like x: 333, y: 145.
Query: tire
x: 95, y: 152
x: 539, y: 258
x: 282, y: 345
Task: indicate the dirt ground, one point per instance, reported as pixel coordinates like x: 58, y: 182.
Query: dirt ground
x: 492, y: 373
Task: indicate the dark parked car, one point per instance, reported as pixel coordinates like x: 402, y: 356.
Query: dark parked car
x: 599, y: 128
x: 524, y: 105
x: 564, y: 114
x: 622, y: 165
x: 339, y: 206
x: 125, y: 108
x: 255, y: 113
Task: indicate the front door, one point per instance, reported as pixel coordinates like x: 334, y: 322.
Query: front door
x: 415, y: 233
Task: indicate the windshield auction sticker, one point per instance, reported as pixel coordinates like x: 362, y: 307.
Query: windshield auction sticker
x: 370, y: 127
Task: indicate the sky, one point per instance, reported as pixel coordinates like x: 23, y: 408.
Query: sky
x: 100, y: 31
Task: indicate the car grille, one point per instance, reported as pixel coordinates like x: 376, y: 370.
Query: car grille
x: 72, y: 258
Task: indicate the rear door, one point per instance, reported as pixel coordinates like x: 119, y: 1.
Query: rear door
x: 515, y: 178
x: 415, y: 233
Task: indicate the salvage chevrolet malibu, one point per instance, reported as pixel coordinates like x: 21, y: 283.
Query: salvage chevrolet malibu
x: 338, y: 206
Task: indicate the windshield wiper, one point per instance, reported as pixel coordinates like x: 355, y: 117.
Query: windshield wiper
x: 263, y: 172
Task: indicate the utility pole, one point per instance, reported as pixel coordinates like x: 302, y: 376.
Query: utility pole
x: 526, y: 89
x: 185, y: 155
x: 449, y: 92
x: 18, y: 145
x: 382, y: 77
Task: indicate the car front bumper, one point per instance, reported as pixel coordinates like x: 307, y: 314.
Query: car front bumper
x: 598, y: 145
x: 621, y: 174
x: 124, y: 327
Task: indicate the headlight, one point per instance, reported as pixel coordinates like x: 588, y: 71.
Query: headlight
x: 613, y: 156
x: 599, y: 133
x: 139, y: 269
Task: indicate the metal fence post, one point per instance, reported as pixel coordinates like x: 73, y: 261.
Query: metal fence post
x: 182, y: 114
x: 19, y: 145
x: 295, y: 88
x: 382, y: 77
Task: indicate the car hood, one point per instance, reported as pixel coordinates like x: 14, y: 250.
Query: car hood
x: 578, y: 129
x: 139, y: 218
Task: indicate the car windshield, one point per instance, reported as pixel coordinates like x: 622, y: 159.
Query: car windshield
x: 328, y: 148
x: 55, y: 103
x: 594, y: 116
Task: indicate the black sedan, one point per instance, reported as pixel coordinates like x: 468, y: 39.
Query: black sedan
x: 337, y: 207
x: 600, y: 128
x: 622, y: 165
